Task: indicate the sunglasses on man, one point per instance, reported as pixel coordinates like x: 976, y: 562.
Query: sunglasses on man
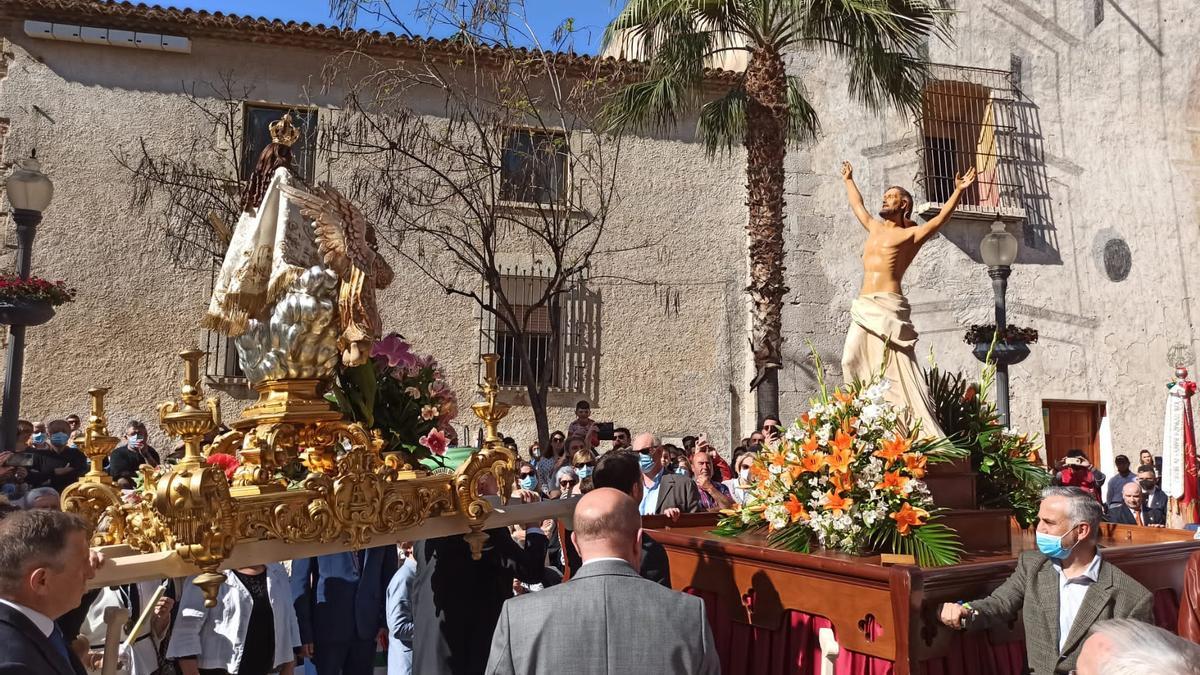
x: 525, y: 474
x: 583, y: 464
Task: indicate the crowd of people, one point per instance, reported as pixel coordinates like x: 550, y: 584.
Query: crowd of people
x: 529, y: 603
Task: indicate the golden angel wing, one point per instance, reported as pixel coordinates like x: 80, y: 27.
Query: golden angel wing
x: 340, y: 228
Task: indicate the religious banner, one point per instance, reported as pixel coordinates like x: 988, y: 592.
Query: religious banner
x: 1179, y: 451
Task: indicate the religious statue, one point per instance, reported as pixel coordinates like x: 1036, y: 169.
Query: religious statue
x: 295, y: 249
x: 882, y: 339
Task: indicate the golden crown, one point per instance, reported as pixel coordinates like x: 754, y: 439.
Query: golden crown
x: 283, y: 132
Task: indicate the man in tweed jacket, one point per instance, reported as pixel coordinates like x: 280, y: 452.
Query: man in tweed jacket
x: 1060, y: 590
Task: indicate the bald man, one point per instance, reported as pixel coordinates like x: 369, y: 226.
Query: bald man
x: 1133, y: 511
x: 606, y: 619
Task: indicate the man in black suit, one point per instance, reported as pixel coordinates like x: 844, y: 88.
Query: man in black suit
x: 664, y: 493
x: 619, y: 470
x: 1133, y: 509
x: 456, y: 601
x: 1153, y: 498
x: 44, y: 569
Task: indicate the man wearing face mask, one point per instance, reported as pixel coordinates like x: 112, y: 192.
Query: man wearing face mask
x: 125, y: 459
x: 66, y: 461
x: 1154, y: 500
x: 662, y: 491
x: 1067, y: 572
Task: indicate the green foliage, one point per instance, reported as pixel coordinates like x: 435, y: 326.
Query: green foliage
x: 881, y: 41
x: 933, y: 544
x: 1009, y: 478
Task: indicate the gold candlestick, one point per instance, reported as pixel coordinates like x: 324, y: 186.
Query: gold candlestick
x: 97, y: 442
x: 186, y: 419
x: 490, y: 411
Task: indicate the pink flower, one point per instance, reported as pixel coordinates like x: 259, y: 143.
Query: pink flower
x: 435, y: 440
x: 396, y: 351
x: 429, y: 412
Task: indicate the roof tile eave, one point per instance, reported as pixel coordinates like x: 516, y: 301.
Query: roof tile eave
x: 218, y: 25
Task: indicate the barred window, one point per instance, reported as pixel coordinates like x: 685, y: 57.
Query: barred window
x: 967, y: 120
x: 572, y: 364
x: 533, y: 167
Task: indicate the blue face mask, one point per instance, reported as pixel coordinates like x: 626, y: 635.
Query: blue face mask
x: 529, y: 482
x: 1051, y: 546
x: 39, y: 438
x: 60, y: 439
x: 646, y: 461
x: 681, y: 471
x: 583, y: 472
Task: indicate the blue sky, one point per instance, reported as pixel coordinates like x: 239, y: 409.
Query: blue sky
x: 589, y: 16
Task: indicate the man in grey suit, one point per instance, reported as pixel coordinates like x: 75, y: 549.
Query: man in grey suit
x: 664, y: 493
x: 606, y: 619
x: 1061, y: 590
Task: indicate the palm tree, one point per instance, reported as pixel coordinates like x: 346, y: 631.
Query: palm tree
x: 765, y: 109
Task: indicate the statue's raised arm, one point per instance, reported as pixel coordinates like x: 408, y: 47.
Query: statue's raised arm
x: 931, y: 226
x: 855, y: 197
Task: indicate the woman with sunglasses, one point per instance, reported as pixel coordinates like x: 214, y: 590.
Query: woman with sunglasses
x: 739, y: 486
x: 584, y: 462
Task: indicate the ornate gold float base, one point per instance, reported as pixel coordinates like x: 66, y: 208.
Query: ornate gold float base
x: 288, y: 401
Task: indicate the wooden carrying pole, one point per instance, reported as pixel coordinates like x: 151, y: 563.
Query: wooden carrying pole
x: 114, y: 621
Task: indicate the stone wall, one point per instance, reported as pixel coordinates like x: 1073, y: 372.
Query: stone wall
x: 1117, y: 109
x: 671, y: 340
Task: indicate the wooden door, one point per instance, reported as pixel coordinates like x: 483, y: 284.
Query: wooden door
x: 1071, y: 425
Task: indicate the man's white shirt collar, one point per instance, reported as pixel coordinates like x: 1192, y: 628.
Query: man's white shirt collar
x: 43, y: 622
x: 588, y: 562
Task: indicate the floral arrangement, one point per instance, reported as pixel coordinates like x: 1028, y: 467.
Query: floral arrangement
x: 848, y: 476
x: 13, y: 287
x: 1010, y: 474
x: 403, y: 395
x: 986, y: 334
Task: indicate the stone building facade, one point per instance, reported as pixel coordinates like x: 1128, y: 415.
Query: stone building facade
x: 1093, y: 162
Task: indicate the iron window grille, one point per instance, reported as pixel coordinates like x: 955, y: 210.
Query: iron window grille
x: 533, y: 167
x: 221, y: 362
x: 968, y: 118
x: 573, y: 364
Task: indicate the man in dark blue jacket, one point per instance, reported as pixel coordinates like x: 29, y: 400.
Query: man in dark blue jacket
x: 44, y: 568
x: 340, y: 607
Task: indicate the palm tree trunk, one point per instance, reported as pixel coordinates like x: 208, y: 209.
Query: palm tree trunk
x: 766, y: 147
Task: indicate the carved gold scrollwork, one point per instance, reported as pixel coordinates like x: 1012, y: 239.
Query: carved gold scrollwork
x: 498, y: 461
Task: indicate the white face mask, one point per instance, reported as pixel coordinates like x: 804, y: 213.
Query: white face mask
x: 744, y: 476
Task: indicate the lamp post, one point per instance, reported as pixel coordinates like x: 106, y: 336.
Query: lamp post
x: 29, y: 192
x: 998, y: 251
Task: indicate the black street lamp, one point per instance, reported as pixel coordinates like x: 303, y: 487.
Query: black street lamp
x: 998, y: 249
x: 29, y: 193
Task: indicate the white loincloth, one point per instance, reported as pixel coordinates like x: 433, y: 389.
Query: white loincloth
x: 880, y: 330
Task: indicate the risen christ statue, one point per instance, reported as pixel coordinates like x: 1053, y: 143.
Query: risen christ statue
x: 881, y: 331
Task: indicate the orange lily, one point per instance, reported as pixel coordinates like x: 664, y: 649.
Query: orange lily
x: 915, y: 465
x: 805, y: 420
x: 893, y: 449
x: 892, y: 480
x: 812, y: 463
x: 839, y: 460
x: 841, y: 482
x: 908, y: 517
x: 759, y: 472
x: 797, y: 470
x: 842, y: 441
x: 778, y: 459
x: 837, y: 503
x: 796, y: 508
x: 811, y: 444
x: 842, y: 397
